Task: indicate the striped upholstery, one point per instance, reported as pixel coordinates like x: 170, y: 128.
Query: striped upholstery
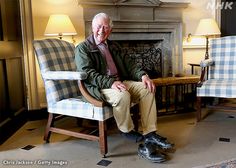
x: 222, y: 74
x: 58, y: 69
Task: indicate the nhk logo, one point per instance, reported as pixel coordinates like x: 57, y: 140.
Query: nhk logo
x: 220, y: 5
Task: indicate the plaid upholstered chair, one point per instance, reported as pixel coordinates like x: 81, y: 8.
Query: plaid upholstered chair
x: 221, y: 65
x: 64, y: 87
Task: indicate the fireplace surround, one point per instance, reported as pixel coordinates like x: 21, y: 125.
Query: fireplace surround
x: 144, y: 21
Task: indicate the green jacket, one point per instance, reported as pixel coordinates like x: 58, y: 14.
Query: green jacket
x: 89, y: 59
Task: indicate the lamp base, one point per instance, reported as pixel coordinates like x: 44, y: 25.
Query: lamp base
x: 207, y: 42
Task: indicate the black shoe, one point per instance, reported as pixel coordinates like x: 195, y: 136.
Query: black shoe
x: 149, y: 152
x: 133, y: 136
x: 158, y: 141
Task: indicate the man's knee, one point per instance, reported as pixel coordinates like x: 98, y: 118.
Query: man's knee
x: 123, y: 97
x: 145, y: 92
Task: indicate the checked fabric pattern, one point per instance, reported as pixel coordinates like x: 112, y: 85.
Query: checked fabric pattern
x: 222, y: 72
x: 58, y: 70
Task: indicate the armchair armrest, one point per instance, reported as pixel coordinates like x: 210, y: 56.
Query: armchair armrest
x: 74, y: 75
x: 64, y: 75
x: 88, y: 97
x: 204, y: 64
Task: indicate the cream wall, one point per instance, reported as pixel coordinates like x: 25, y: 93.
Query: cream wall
x: 42, y: 9
x: 194, y: 51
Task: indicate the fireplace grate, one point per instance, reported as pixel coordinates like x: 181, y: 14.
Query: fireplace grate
x: 146, y: 53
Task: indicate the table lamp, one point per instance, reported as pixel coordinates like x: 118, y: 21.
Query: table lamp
x: 59, y: 25
x: 207, y: 27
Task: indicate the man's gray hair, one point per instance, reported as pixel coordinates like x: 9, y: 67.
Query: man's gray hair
x: 102, y: 15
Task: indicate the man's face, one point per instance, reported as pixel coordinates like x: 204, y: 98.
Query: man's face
x: 101, y: 29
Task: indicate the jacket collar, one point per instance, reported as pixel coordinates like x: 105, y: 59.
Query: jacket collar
x: 92, y: 44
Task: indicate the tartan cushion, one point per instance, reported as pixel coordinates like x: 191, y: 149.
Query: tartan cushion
x: 77, y: 108
x: 218, y: 88
x: 223, y: 53
x: 57, y: 55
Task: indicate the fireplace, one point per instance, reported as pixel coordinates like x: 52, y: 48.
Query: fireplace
x: 146, y: 53
x: 157, y: 46
x: 145, y: 28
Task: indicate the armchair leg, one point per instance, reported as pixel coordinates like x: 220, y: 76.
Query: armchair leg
x: 199, y: 109
x: 47, y: 133
x: 103, y: 138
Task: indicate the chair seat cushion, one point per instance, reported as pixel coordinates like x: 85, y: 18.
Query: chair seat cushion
x: 77, y: 108
x: 218, y: 88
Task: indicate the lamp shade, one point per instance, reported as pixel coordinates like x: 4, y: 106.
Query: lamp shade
x: 59, y: 25
x: 207, y: 27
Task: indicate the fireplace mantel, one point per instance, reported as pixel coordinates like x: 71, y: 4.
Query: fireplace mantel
x: 143, y: 20
x: 135, y: 3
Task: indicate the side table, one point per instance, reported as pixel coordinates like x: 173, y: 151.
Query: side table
x: 192, y: 67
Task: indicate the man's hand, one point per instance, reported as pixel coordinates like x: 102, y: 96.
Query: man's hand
x: 148, y: 83
x: 118, y: 85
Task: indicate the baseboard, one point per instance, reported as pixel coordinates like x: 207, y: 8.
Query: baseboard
x: 11, y: 125
x: 37, y: 114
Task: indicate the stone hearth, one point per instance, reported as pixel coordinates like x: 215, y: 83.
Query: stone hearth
x: 144, y: 21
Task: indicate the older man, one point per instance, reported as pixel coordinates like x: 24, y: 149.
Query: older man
x: 116, y: 79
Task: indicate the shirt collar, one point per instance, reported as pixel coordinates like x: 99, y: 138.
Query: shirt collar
x: 97, y: 43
